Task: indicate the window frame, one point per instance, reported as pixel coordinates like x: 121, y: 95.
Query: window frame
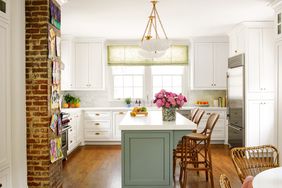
x: 148, y: 83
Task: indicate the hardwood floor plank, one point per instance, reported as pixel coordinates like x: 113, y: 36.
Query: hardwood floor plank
x: 100, y: 167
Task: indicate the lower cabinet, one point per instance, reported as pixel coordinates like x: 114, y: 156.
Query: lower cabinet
x: 5, y: 178
x: 219, y: 133
x: 261, y: 126
x: 117, y: 118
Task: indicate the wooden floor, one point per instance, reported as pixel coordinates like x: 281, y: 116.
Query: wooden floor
x: 100, y: 167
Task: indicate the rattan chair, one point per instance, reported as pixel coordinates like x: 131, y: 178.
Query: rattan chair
x: 249, y: 161
x: 196, y: 152
x: 196, y: 118
x: 224, y: 181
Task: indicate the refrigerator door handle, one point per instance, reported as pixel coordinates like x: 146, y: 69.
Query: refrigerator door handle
x: 236, y: 128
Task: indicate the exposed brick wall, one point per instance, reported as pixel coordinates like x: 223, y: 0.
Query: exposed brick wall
x: 41, y: 173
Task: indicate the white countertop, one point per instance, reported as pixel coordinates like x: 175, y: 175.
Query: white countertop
x: 149, y: 108
x: 154, y: 122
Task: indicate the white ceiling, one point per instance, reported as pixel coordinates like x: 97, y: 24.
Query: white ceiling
x: 126, y: 19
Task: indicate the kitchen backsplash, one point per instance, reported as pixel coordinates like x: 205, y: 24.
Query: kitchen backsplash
x: 102, y: 98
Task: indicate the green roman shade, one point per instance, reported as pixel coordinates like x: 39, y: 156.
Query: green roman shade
x: 127, y: 55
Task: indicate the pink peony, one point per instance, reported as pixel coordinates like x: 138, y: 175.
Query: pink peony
x: 159, y: 103
x: 167, y: 104
x: 169, y: 99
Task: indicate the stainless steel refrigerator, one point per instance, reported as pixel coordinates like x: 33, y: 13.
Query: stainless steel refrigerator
x: 236, y: 100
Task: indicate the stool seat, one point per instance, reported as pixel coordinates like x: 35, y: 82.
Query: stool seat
x: 197, y: 136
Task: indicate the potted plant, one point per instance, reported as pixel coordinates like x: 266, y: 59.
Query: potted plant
x: 68, y: 100
x: 128, y: 102
x: 76, y: 102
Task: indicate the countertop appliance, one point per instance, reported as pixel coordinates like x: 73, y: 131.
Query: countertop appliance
x: 236, y: 100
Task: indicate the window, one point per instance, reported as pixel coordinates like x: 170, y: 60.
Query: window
x: 168, y: 78
x: 128, y: 81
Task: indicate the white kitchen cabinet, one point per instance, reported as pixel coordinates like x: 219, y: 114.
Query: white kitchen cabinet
x: 98, y: 126
x: 75, y: 133
x: 5, y: 116
x: 220, y: 51
x: 260, y: 60
x: 210, y: 65
x: 219, y: 133
x: 203, y: 65
x: 67, y: 74
x: 117, y: 118
x: 237, y: 42
x: 89, y: 66
x: 262, y: 128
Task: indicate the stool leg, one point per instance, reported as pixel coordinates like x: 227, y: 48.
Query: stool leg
x: 210, y: 168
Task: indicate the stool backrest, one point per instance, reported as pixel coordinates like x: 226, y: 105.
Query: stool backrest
x: 193, y: 113
x: 210, y: 124
x: 198, y: 116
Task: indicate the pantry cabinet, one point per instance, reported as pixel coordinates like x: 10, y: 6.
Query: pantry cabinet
x: 261, y: 129
x: 210, y: 65
x: 260, y: 80
x: 260, y: 64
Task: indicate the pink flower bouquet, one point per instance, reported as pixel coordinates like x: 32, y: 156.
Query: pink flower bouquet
x: 169, y: 100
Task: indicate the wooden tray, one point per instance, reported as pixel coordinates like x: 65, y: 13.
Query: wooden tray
x: 139, y: 114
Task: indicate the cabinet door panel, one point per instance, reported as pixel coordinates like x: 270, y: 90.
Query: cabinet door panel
x: 267, y: 65
x: 203, y: 65
x: 67, y: 75
x: 253, y: 130
x: 96, y: 70
x: 4, y: 108
x: 220, y: 64
x: 81, y: 65
x: 267, y: 124
x: 118, y: 116
x: 253, y: 55
x: 233, y: 45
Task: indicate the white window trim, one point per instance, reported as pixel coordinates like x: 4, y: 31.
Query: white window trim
x: 147, y: 84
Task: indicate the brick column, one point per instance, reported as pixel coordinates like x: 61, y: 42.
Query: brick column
x: 41, y: 173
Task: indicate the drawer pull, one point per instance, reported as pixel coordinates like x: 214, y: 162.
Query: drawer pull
x: 121, y: 113
x: 70, y: 130
x: 208, y: 113
x: 71, y: 141
x: 97, y: 123
x: 97, y: 114
x: 97, y: 133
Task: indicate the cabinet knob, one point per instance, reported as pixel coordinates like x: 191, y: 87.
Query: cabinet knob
x: 121, y: 113
x: 235, y: 51
x: 97, y: 133
x: 97, y: 114
x: 97, y: 123
x: 71, y: 141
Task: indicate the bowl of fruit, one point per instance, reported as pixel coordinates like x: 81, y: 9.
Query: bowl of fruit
x: 202, y: 104
x: 139, y: 111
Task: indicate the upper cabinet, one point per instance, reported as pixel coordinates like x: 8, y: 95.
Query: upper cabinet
x: 84, y: 65
x: 210, y: 65
x: 258, y: 45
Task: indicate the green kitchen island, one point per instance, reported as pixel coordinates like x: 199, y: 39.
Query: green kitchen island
x: 147, y: 149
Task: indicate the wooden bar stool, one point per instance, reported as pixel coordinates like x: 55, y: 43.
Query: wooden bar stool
x: 196, y: 152
x: 193, y: 113
x: 198, y: 114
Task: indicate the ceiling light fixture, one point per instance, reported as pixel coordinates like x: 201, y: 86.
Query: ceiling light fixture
x: 152, y: 44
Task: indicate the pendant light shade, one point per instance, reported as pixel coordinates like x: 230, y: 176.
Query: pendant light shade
x: 151, y: 40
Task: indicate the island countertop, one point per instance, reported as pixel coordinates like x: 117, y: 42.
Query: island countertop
x: 154, y: 122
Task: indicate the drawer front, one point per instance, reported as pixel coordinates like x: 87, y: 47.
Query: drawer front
x: 71, y: 131
x: 90, y: 134
x: 93, y: 115
x: 71, y: 139
x: 98, y: 124
x: 222, y: 114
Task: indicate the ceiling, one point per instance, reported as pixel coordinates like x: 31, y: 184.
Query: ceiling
x: 126, y: 19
